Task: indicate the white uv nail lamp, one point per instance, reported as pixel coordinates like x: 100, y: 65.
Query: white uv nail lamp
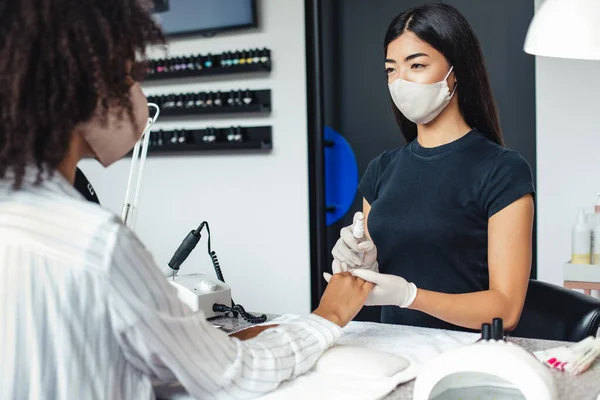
x: 488, y: 369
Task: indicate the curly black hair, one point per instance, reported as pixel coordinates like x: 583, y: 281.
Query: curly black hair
x: 59, y: 59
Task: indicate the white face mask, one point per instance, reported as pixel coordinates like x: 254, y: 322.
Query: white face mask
x: 117, y: 137
x: 419, y: 102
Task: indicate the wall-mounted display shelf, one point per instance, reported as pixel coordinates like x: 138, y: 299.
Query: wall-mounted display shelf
x: 203, y: 103
x: 254, y: 60
x: 193, y: 140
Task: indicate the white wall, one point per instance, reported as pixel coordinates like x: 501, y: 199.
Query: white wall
x: 256, y: 204
x: 568, y: 154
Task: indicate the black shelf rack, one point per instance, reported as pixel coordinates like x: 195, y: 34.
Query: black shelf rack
x: 210, y: 103
x: 198, y: 140
x: 247, y: 61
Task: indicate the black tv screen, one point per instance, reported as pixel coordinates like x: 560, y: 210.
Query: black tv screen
x: 186, y: 17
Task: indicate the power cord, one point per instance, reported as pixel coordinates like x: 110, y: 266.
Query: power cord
x: 184, y: 250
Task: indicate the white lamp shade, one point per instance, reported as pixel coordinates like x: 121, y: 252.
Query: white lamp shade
x: 565, y: 29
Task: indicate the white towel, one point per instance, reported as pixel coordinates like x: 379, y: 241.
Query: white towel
x: 418, y: 345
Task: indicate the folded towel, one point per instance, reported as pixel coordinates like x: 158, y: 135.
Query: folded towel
x: 418, y: 345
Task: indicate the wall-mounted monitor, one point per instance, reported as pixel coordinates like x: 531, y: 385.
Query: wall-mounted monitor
x: 190, y: 17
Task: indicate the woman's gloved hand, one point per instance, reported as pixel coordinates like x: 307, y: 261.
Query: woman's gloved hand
x: 389, y: 290
x: 353, y: 254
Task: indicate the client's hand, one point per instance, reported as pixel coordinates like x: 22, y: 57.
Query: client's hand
x: 251, y: 332
x: 344, y: 297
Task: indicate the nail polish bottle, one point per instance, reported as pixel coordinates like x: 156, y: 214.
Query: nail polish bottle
x: 243, y: 57
x: 181, y: 137
x: 247, y: 97
x: 189, y: 63
x: 238, y: 134
x: 198, y: 62
x: 199, y: 100
x: 231, y: 99
x: 149, y: 69
x: 218, y: 101
x: 159, y: 138
x: 230, y: 134
x: 209, y: 99
x: 249, y: 59
x: 209, y: 135
x: 182, y: 64
x: 238, y: 98
x: 167, y: 103
x: 189, y: 100
x: 159, y: 66
x: 208, y: 63
x: 173, y: 136
x: 179, y: 102
x: 223, y: 60
x: 173, y: 65
x: 255, y: 56
x: 264, y: 56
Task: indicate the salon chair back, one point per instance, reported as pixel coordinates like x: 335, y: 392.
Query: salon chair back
x: 555, y: 313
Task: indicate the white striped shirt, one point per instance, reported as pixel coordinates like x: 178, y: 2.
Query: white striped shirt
x: 86, y: 314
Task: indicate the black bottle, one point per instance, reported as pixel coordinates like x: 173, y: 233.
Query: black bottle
x: 150, y: 68
x: 231, y: 99
x: 264, y: 56
x: 180, y: 101
x: 208, y: 61
x: 238, y: 134
x: 218, y: 101
x: 209, y: 99
x: 209, y: 135
x: 189, y: 100
x: 170, y: 102
x: 247, y: 97
x: 199, y: 101
x: 172, y: 64
x: 181, y: 136
x: 197, y: 60
x: 238, y: 98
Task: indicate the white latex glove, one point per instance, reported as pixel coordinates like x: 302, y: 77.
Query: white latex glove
x: 348, y: 251
x: 389, y: 290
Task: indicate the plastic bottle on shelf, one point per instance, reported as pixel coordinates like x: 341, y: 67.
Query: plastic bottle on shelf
x: 581, y: 240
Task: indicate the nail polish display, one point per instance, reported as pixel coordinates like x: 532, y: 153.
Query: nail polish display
x: 233, y: 101
x: 210, y: 138
x: 249, y: 60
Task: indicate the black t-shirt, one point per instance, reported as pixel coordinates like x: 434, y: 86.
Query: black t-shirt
x: 429, y: 214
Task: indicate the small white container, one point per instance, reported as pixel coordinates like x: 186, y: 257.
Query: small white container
x: 581, y: 240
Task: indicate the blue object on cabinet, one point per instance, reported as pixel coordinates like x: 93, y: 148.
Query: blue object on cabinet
x: 341, y: 175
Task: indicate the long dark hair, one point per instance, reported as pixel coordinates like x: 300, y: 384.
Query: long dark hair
x: 447, y: 30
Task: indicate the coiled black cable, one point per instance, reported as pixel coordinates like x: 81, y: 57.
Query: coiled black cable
x: 235, y: 308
